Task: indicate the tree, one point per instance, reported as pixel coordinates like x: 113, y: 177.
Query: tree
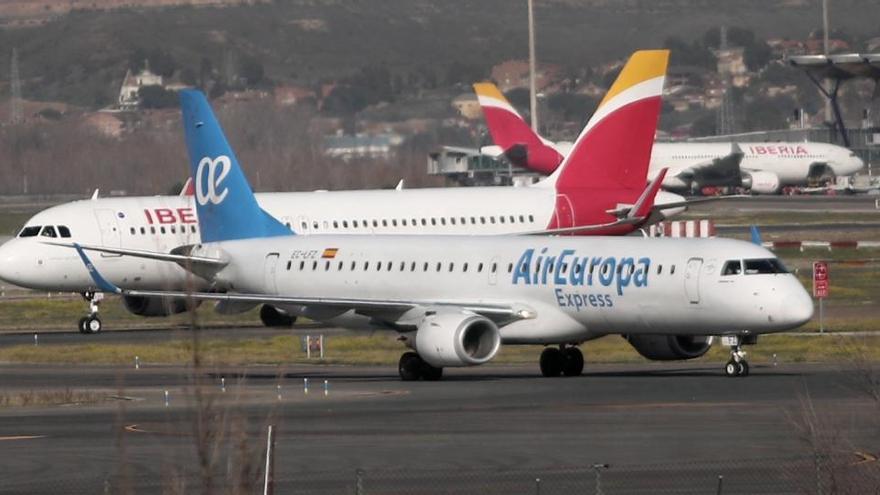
x: 252, y: 71
x: 157, y: 97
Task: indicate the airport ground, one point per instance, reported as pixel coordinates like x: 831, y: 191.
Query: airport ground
x: 77, y: 417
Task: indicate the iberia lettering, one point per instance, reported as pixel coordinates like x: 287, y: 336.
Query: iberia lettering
x: 778, y: 150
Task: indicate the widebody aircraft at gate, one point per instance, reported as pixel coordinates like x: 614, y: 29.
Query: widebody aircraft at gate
x: 588, y: 196
x: 456, y: 299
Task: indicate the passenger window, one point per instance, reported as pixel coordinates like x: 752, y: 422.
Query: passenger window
x: 289, y: 264
x: 512, y: 219
x: 174, y: 229
x: 510, y: 268
x: 375, y: 223
x: 402, y: 265
x: 29, y: 231
x: 433, y: 221
x: 464, y: 268
x: 442, y: 221
x: 366, y: 265
x: 532, y: 218
x: 452, y: 220
x: 424, y: 222
x: 483, y: 220
x: 733, y: 267
x: 305, y: 226
x: 339, y: 267
x: 473, y: 221
x: 672, y: 270
x: 425, y: 267
x: 659, y: 269
x: 193, y: 228
x: 384, y: 222
x: 143, y: 231
x: 403, y: 222
x: 394, y: 222
x: 132, y: 231
x: 162, y: 229
x: 522, y: 219
x: 335, y: 224
x: 412, y: 266
x: 389, y: 266
x: 463, y: 220
x: 501, y: 219
x: 439, y: 265
x: 48, y: 231
x: 494, y: 267
x: 480, y: 268
x: 492, y: 220
x: 302, y: 265
x: 314, y: 265
x: 345, y: 224
x: 353, y: 265
x: 315, y: 225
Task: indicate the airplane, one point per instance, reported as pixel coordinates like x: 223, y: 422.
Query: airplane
x: 600, y: 189
x: 763, y: 168
x: 456, y: 299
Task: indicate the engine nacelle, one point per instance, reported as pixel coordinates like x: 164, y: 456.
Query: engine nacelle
x: 670, y: 347
x: 761, y: 182
x: 456, y: 339
x: 156, y: 306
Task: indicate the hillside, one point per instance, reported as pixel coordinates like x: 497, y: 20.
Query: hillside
x: 81, y: 57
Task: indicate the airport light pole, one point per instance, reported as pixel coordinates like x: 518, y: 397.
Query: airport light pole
x: 533, y: 97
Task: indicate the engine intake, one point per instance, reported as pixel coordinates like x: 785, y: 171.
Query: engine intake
x: 670, y: 347
x: 156, y: 306
x: 456, y: 339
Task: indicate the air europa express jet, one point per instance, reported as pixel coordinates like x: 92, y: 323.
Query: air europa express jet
x: 456, y: 299
x: 600, y: 189
x: 764, y: 168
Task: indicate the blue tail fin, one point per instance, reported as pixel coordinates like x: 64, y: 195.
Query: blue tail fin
x: 225, y: 202
x: 756, y: 235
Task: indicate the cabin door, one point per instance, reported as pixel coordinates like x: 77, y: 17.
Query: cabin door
x: 271, y: 267
x: 692, y: 279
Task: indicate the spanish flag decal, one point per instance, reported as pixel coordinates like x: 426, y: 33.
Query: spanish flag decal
x: 329, y: 253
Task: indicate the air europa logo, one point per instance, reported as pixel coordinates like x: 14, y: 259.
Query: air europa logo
x: 209, y: 176
x: 568, y: 269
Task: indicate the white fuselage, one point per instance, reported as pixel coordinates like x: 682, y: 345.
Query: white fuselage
x: 579, y: 288
x: 791, y: 162
x: 162, y: 223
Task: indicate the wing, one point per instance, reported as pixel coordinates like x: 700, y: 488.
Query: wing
x: 724, y: 171
x: 391, y: 310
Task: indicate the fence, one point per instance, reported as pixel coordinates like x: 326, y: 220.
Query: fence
x: 806, y: 475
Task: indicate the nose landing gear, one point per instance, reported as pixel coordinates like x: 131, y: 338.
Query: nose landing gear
x: 737, y: 366
x: 91, y: 323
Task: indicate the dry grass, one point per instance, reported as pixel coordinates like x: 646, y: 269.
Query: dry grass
x: 49, y: 398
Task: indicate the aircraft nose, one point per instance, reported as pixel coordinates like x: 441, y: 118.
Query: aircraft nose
x: 797, y: 308
x: 10, y: 262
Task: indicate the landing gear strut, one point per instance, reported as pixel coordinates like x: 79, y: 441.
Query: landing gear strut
x: 737, y: 366
x: 91, y: 323
x: 412, y: 368
x: 564, y: 360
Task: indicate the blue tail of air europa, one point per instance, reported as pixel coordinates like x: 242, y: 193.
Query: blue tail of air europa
x: 225, y: 202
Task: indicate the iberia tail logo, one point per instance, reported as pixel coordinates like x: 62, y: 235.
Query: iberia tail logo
x: 614, y: 149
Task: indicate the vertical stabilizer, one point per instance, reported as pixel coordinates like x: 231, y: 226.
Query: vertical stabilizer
x: 614, y: 149
x: 226, y: 206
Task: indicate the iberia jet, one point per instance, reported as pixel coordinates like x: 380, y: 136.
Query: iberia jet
x: 763, y: 168
x: 456, y: 299
x: 600, y: 189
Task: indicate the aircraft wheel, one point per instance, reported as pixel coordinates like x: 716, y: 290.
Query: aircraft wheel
x: 743, y: 368
x: 92, y: 325
x: 731, y: 368
x: 431, y: 373
x: 573, y: 361
x: 551, y: 362
x: 410, y: 367
x: 82, y: 324
x: 271, y: 317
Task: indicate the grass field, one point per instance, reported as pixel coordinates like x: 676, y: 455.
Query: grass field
x: 381, y: 348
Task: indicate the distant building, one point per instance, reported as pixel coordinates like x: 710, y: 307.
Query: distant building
x: 731, y: 64
x: 469, y: 167
x: 515, y: 74
x: 129, y: 93
x: 468, y: 106
x: 348, y: 147
x: 292, y: 95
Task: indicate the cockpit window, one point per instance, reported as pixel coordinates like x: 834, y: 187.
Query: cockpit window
x: 48, y: 231
x: 733, y: 267
x: 764, y: 266
x: 63, y: 231
x: 29, y: 231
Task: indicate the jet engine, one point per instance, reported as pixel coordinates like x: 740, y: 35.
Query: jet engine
x: 761, y: 182
x: 156, y: 306
x: 670, y: 347
x: 456, y: 339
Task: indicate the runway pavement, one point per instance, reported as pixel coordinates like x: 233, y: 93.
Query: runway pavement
x: 482, y: 430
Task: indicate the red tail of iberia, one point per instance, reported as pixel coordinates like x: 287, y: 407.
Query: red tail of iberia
x: 519, y: 143
x: 614, y: 149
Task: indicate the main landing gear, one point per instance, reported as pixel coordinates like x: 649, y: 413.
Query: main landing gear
x: 272, y: 317
x: 91, y: 323
x: 564, y: 360
x: 412, y: 367
x: 737, y: 366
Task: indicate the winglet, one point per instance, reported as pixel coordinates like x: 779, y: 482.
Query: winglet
x: 756, y: 235
x: 645, y: 203
x: 100, y: 281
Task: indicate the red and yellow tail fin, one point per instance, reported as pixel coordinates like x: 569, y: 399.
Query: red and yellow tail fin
x: 510, y: 132
x: 614, y: 149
